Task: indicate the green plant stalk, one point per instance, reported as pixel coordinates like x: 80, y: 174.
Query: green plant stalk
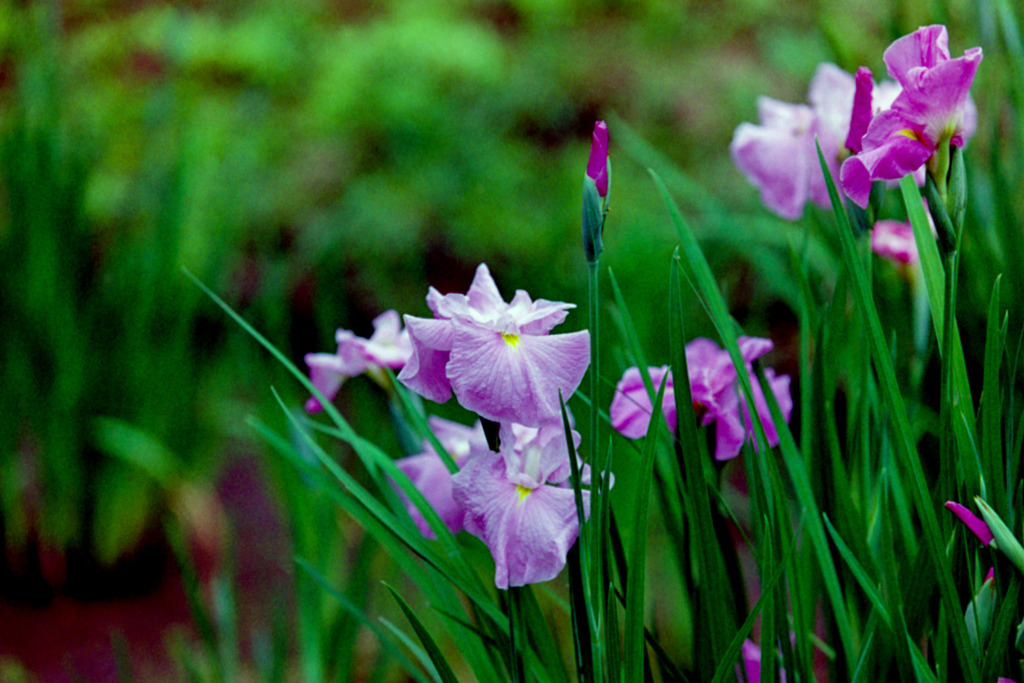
x: 597, y: 598
x: 947, y: 448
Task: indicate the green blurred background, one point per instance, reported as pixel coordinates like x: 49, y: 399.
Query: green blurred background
x: 315, y: 163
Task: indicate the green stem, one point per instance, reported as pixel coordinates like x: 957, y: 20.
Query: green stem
x: 597, y: 565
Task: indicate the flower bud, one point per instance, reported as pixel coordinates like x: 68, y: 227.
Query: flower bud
x: 595, y: 193
x: 597, y: 167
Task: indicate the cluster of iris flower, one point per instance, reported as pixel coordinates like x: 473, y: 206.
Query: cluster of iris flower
x: 500, y: 360
x: 867, y: 132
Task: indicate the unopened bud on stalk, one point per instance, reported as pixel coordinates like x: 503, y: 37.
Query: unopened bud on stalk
x: 595, y: 192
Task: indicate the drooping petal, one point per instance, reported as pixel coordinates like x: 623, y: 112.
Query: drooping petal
x: 977, y: 525
x: 730, y: 433
x: 326, y: 372
x: 425, y: 371
x: 528, y: 531
x: 431, y: 476
x: 780, y: 388
x: 631, y: 408
x: 516, y: 377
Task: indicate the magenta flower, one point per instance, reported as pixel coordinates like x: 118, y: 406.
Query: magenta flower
x: 779, y: 155
x: 977, y: 525
x: 932, y: 112
x: 389, y: 347
x: 894, y: 240
x: 519, y: 503
x: 597, y: 166
x: 431, y: 476
x: 498, y: 358
x: 714, y: 392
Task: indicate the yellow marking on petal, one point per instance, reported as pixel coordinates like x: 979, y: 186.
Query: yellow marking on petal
x: 510, y: 339
x: 523, y: 493
x: 910, y: 134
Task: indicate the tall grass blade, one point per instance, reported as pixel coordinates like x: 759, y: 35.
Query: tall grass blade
x: 905, y: 445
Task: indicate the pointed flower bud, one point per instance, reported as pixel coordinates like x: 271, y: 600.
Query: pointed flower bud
x: 595, y: 193
x: 597, y: 167
x: 978, y: 527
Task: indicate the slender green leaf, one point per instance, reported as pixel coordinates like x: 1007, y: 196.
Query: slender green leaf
x: 444, y: 669
x: 633, y: 649
x: 901, y: 427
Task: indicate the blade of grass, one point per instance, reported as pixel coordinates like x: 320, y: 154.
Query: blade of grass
x: 793, y: 461
x: 633, y: 648
x: 441, y: 665
x: 904, y: 441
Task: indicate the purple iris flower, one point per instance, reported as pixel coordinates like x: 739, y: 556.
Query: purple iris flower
x: 388, y: 347
x: 976, y: 525
x: 431, y: 476
x: 779, y: 155
x: 498, y: 358
x: 714, y: 392
x: 519, y: 502
x: 933, y: 111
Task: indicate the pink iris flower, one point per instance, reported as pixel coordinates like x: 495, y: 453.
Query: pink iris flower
x: 976, y: 525
x: 519, y: 502
x: 933, y: 111
x: 498, y: 358
x: 779, y: 156
x: 430, y: 475
x: 389, y: 347
x: 714, y: 392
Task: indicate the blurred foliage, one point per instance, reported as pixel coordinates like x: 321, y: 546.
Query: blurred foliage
x: 320, y: 161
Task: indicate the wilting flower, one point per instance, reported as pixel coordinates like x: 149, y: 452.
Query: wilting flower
x: 714, y: 392
x: 387, y: 347
x: 977, y: 526
x: 498, y: 358
x: 431, y: 476
x: 932, y: 112
x: 519, y: 502
x: 779, y: 155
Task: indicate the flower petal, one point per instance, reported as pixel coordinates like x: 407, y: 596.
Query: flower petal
x: 977, y: 525
x: 515, y: 378
x: 425, y: 372
x: 631, y: 408
x: 774, y: 156
x: 527, y: 531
